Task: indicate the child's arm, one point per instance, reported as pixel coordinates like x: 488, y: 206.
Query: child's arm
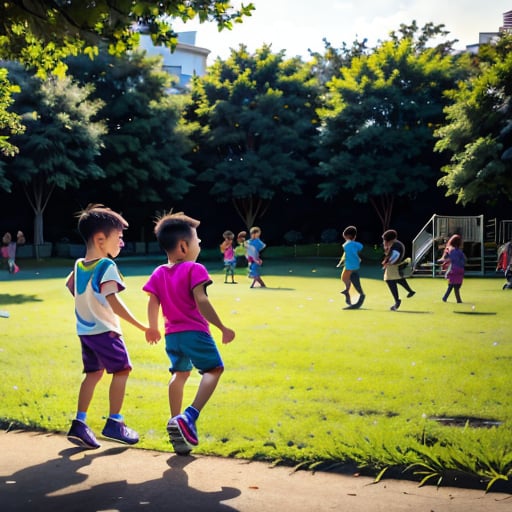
x: 153, y: 333
x: 123, y: 312
x: 70, y: 283
x: 206, y: 309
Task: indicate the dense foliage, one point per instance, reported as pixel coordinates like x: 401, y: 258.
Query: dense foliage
x: 60, y: 143
x: 41, y: 33
x: 379, y: 117
x: 256, y: 128
x: 478, y: 132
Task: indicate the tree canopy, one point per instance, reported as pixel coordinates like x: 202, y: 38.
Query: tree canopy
x: 256, y: 114
x: 41, y: 33
x: 478, y: 135
x: 378, y: 122
x: 144, y: 147
x: 61, y: 141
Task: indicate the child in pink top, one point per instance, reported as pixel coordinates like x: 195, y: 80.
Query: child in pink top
x: 228, y: 251
x: 179, y: 289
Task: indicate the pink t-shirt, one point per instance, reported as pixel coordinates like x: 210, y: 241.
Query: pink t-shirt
x: 173, y: 285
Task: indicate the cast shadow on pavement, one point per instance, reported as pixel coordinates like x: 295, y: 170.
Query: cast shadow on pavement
x: 48, y: 487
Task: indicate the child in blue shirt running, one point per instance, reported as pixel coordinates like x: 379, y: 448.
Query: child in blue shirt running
x: 351, y: 262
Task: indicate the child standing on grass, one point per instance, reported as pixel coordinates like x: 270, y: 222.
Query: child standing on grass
x: 241, y: 249
x: 179, y: 288
x: 455, y: 258
x: 227, y: 249
x: 351, y: 262
x: 95, y: 283
x: 9, y: 252
x: 254, y: 246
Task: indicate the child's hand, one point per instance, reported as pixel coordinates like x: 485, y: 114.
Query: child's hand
x: 152, y: 335
x: 228, y: 335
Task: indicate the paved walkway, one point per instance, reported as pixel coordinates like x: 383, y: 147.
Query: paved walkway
x: 43, y: 472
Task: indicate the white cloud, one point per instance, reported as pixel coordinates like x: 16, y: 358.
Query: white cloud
x: 296, y: 25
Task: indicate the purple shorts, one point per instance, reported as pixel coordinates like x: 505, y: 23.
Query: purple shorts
x: 105, y: 351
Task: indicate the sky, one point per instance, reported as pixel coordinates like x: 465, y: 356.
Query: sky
x: 299, y: 25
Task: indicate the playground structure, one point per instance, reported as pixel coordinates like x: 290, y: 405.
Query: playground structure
x: 481, y: 241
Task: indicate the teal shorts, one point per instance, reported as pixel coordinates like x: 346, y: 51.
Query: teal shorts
x: 190, y: 349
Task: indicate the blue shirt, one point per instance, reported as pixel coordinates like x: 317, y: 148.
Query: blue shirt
x: 352, y: 250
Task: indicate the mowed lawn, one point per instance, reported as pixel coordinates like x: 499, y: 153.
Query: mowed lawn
x: 306, y: 382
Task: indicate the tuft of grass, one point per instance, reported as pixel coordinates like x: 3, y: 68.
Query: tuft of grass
x: 306, y: 383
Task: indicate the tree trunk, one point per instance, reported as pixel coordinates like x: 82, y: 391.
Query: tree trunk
x: 251, y: 208
x: 383, y: 206
x: 38, y: 197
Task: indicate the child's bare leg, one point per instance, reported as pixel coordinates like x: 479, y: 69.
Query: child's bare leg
x: 206, y: 388
x: 176, y: 386
x: 260, y: 281
x: 117, y: 391
x: 345, y: 277
x: 87, y: 389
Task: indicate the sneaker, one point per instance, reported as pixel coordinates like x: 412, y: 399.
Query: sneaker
x: 81, y: 435
x: 347, y: 296
x: 188, y: 429
x: 396, y: 305
x: 358, y: 304
x: 118, y: 431
x: 412, y: 293
x: 179, y: 443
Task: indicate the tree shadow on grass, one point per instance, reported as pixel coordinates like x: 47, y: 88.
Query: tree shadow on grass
x: 19, y: 298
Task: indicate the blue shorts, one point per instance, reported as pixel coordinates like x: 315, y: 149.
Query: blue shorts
x: 190, y: 349
x: 105, y: 351
x: 254, y: 269
x: 229, y: 264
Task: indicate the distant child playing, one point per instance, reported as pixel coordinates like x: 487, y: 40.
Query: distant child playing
x: 241, y: 249
x: 227, y: 249
x: 254, y: 246
x: 455, y: 258
x: 95, y: 284
x: 351, y: 262
x: 179, y: 289
x: 393, y: 264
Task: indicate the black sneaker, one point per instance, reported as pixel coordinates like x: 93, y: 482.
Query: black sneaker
x: 81, y: 435
x: 358, y: 304
x: 396, y: 305
x: 412, y: 293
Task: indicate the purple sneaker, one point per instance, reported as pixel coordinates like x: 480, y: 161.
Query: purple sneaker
x: 179, y: 443
x: 187, y: 428
x: 81, y: 435
x: 118, y: 431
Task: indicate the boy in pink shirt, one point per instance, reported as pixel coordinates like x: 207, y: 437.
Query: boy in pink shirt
x: 179, y: 289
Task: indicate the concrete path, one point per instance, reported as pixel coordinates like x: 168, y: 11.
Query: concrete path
x: 43, y: 472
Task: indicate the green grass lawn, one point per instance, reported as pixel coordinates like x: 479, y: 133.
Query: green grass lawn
x: 306, y: 382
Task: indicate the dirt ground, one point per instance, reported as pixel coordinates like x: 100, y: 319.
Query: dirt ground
x: 44, y: 472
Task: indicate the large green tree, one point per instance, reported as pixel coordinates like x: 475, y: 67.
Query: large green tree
x: 60, y: 143
x: 378, y: 122
x: 478, y: 134
x: 143, y: 150
x: 256, y: 124
x: 41, y: 33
